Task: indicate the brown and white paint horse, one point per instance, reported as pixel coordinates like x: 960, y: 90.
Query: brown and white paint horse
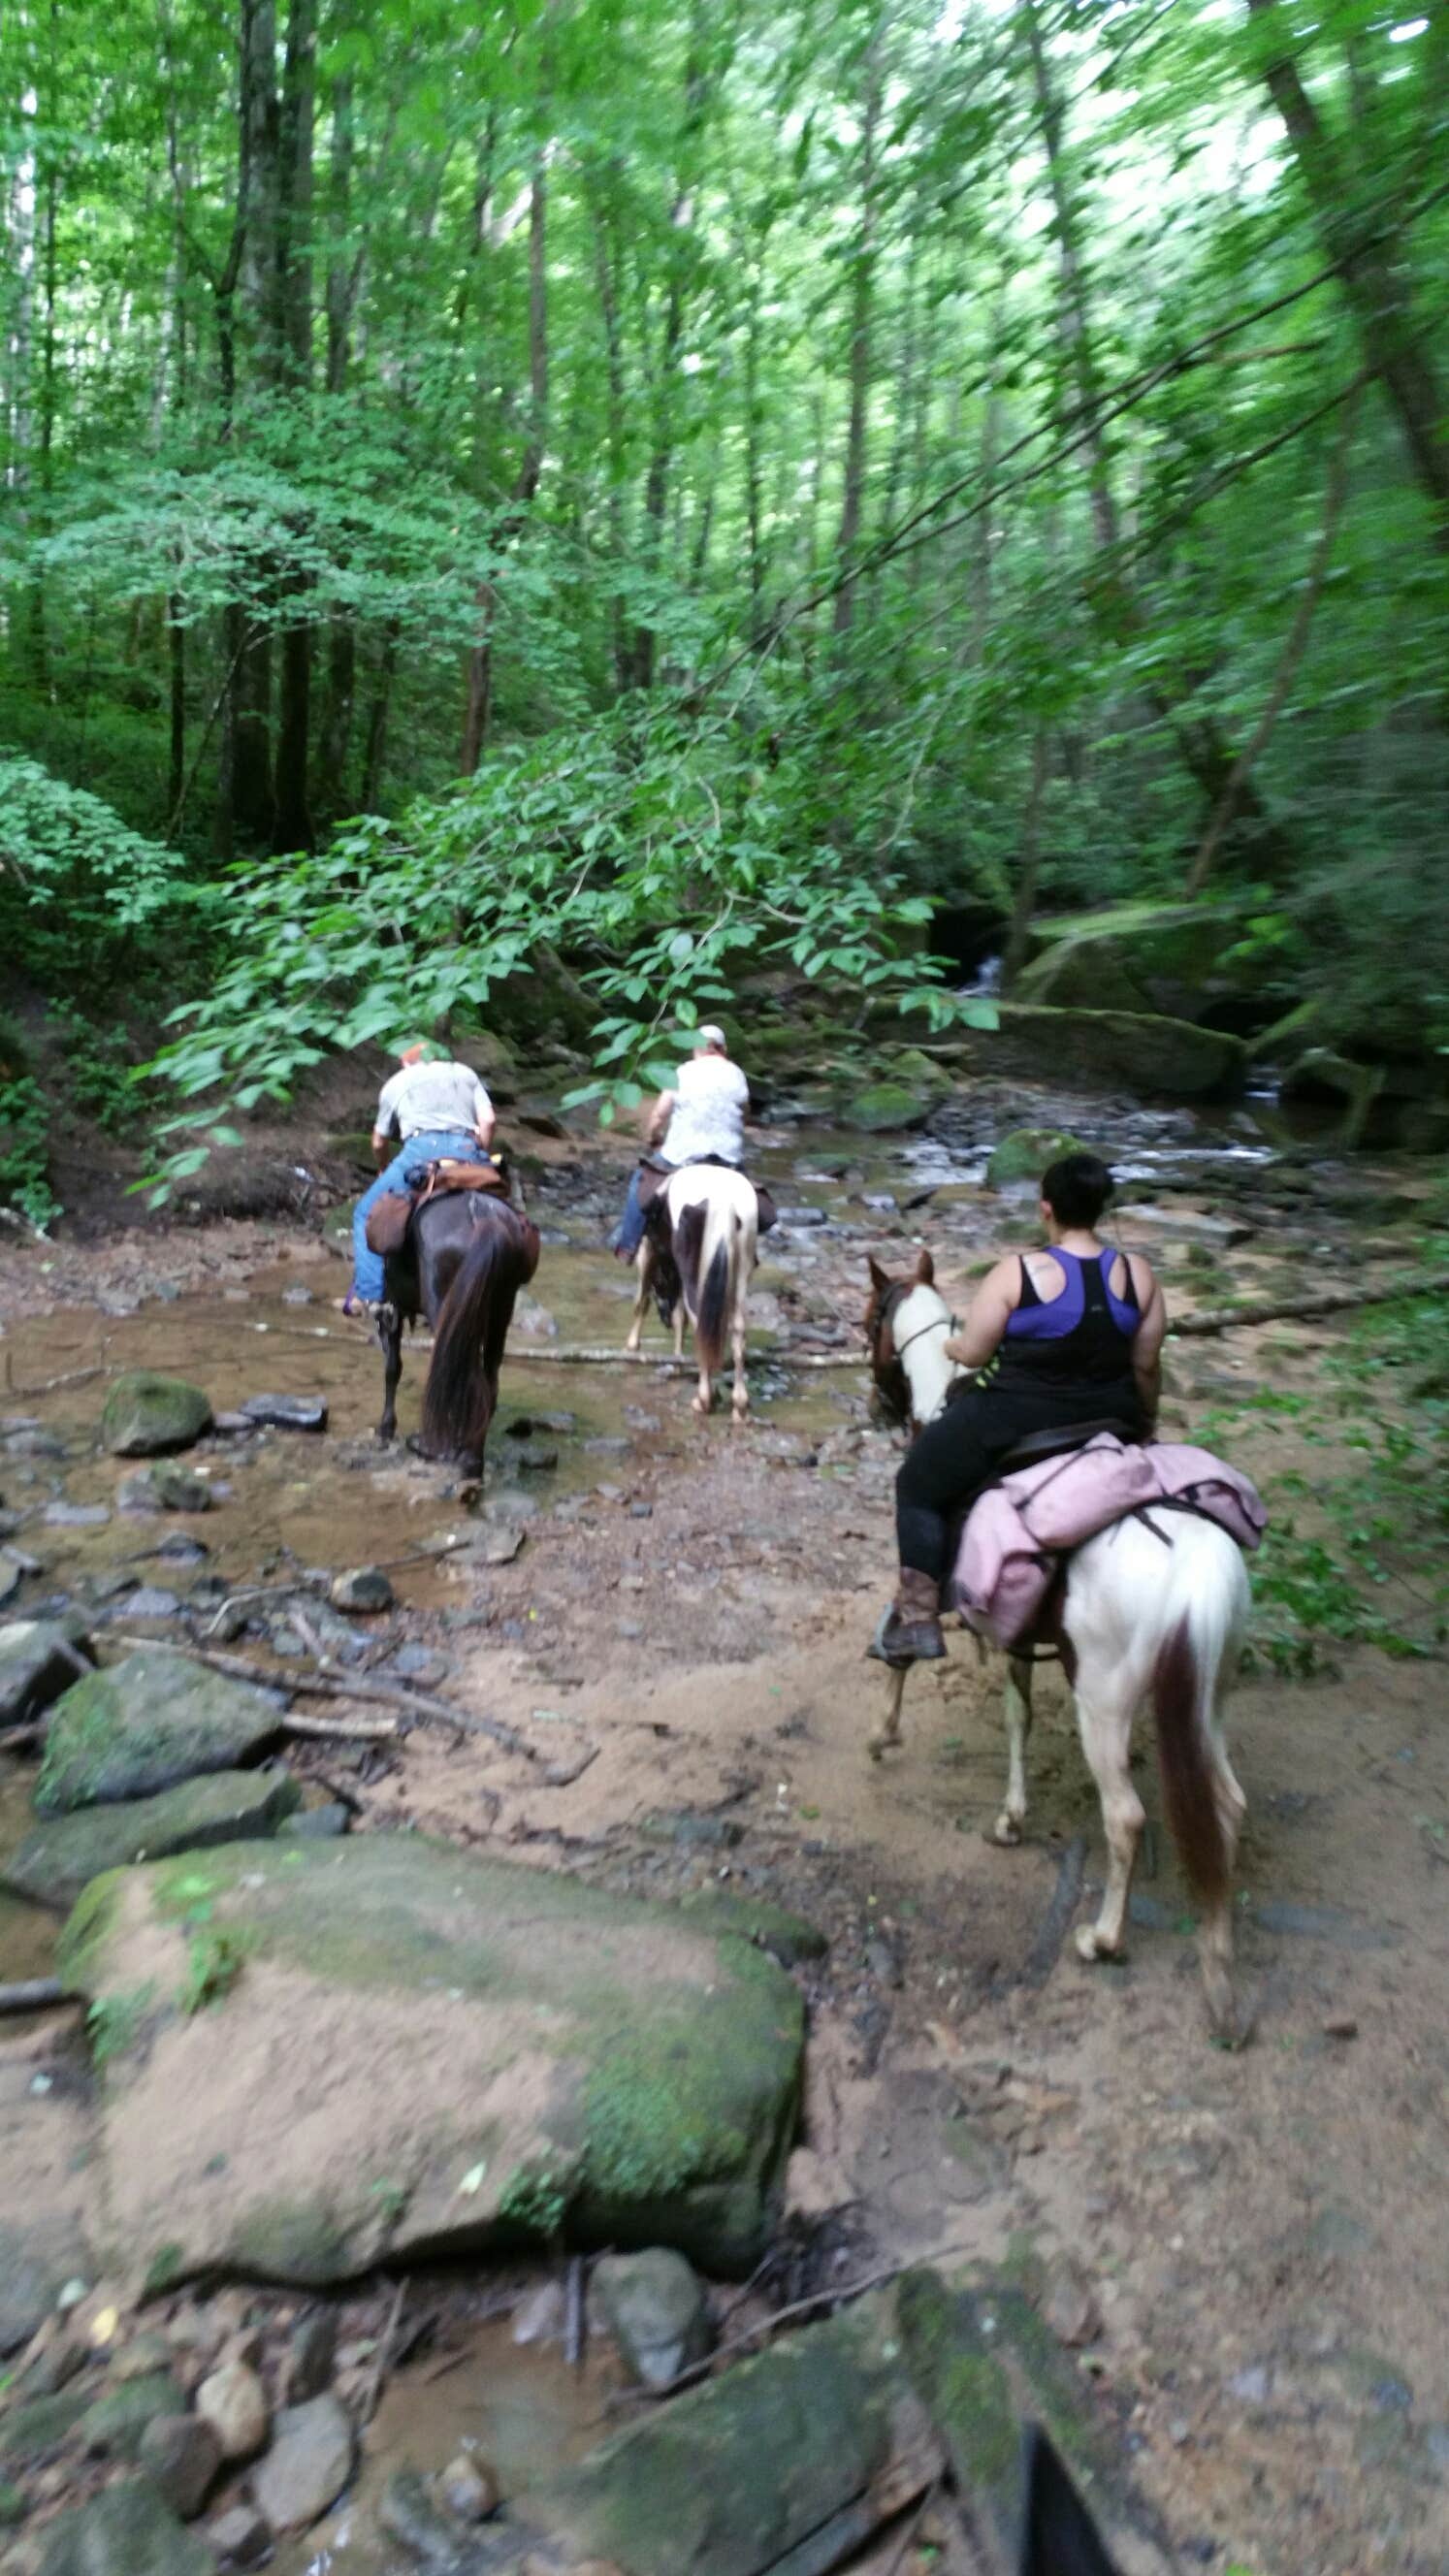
x: 713, y: 1220
x: 1152, y: 1609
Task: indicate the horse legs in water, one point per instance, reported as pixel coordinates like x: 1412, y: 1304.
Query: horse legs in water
x: 389, y: 1334
x: 644, y: 1269
x: 1007, y: 1828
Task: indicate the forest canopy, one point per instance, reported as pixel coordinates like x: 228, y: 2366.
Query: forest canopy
x: 680, y: 485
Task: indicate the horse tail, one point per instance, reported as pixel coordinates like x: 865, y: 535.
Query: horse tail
x: 717, y: 1260
x: 1184, y: 1687
x: 468, y: 1336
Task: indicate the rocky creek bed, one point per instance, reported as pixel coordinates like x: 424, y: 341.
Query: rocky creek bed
x: 384, y: 2036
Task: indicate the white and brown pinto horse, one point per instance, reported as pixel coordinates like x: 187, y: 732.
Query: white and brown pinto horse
x: 1152, y: 1609
x: 701, y: 1269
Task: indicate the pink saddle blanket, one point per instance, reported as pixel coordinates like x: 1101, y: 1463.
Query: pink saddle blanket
x: 1020, y: 1529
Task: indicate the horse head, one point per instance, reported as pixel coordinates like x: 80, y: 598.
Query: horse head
x: 887, y: 1296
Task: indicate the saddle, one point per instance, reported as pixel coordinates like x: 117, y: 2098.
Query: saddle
x: 388, y: 1222
x: 1054, y: 1490
x: 654, y: 1179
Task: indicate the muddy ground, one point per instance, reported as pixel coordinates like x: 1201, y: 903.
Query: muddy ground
x: 678, y: 1637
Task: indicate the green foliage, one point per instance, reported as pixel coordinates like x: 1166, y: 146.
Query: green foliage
x: 1356, y: 1549
x: 535, y: 2199
x: 79, y: 893
x: 214, y: 1959
x: 114, y: 2022
x: 24, y: 1150
x: 653, y: 857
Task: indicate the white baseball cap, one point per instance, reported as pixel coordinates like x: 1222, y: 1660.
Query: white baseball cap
x: 708, y: 1035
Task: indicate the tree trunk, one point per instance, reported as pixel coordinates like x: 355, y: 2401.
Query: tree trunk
x: 606, y: 275
x: 344, y: 277
x: 478, y: 708
x: 1023, y: 902
x: 1375, y: 280
x: 247, y: 740
x: 862, y: 309
x: 292, y: 825
x: 376, y: 753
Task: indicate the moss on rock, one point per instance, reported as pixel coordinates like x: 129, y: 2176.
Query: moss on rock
x: 143, y: 1725
x: 146, y: 1415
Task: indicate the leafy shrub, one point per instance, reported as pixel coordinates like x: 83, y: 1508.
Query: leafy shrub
x: 81, y: 894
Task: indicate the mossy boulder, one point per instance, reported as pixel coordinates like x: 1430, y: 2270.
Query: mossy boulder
x: 143, y: 1725
x: 422, y: 2052
x: 124, y: 2531
x: 62, y: 1856
x: 1173, y: 959
x: 146, y: 1415
x: 1025, y: 1154
x: 733, y: 2477
x: 887, y: 1107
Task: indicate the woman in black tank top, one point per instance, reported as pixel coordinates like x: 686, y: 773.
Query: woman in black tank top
x: 1078, y: 1342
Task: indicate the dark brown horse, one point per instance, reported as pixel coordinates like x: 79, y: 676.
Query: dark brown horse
x: 465, y: 1257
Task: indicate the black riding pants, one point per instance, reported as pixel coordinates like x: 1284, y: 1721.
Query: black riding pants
x: 954, y: 1456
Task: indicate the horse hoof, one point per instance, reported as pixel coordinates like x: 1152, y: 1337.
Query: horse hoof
x: 1092, y: 1948
x: 1006, y: 1830
x: 1222, y: 2007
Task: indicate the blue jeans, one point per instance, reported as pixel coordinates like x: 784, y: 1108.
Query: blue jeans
x: 367, y: 1264
x: 629, y: 1232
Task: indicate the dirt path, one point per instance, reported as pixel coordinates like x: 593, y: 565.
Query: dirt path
x: 1254, y: 2243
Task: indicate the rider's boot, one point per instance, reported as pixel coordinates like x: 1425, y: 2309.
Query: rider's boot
x: 910, y: 1632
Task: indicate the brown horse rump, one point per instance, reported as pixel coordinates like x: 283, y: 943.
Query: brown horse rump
x: 388, y: 1222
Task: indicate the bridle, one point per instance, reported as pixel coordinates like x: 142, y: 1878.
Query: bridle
x: 886, y: 1362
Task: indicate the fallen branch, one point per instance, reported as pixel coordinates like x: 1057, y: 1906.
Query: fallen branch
x: 838, y: 2297
x: 366, y: 1730
x: 585, y: 1355
x: 33, y: 1993
x: 68, y: 1377
x: 1302, y: 1310
x: 386, y: 2340
x: 414, y: 1704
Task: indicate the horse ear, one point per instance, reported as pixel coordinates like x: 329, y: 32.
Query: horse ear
x: 926, y: 1271
x: 880, y: 1279
x: 1059, y: 2537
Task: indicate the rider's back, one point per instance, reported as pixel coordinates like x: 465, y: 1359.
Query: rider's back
x: 711, y: 1096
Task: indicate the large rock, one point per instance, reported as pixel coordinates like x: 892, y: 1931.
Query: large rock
x: 61, y: 1857
x: 732, y: 2476
x: 144, y: 1724
x: 1141, y: 1051
x: 308, y: 2465
x: 146, y: 1415
x: 1171, y: 959
x: 884, y: 1107
x: 39, y: 1658
x: 427, y: 2052
x: 37, y: 2258
x: 125, y: 2531
x: 1025, y: 1154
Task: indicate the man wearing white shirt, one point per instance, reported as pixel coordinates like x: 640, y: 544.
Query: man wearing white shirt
x: 436, y: 1107
x: 701, y: 1119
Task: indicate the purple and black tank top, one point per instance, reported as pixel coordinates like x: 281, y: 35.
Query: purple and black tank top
x: 1085, y: 1335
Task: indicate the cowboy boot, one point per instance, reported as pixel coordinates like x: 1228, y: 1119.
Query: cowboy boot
x: 910, y: 1632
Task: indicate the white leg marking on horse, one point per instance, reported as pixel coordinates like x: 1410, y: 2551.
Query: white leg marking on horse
x: 1215, y: 1932
x: 889, y: 1731
x: 1106, y: 1731
x: 1018, y: 1727
x: 644, y: 1264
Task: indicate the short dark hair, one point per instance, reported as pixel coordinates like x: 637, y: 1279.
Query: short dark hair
x: 1077, y: 1188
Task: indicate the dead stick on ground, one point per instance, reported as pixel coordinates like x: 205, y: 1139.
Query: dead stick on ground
x: 913, y: 2526
x: 386, y: 2341
x: 33, y: 1993
x: 68, y: 1377
x: 1301, y: 1310
x: 360, y: 1730
x: 584, y: 1355
x: 414, y: 1704
x: 575, y: 2325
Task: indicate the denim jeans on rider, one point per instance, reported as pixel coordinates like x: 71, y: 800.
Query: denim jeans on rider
x: 629, y: 1232
x: 366, y: 1264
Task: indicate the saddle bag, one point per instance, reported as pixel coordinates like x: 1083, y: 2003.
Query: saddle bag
x: 388, y: 1222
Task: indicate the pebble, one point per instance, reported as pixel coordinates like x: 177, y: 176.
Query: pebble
x: 1340, y: 2026
x: 363, y: 1587
x: 310, y: 2355
x: 149, y: 1603
x: 308, y: 2465
x: 641, y: 1511
x: 234, y: 2403
x: 240, y: 2537
x: 76, y: 1515
x: 542, y: 2316
x: 468, y: 2489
